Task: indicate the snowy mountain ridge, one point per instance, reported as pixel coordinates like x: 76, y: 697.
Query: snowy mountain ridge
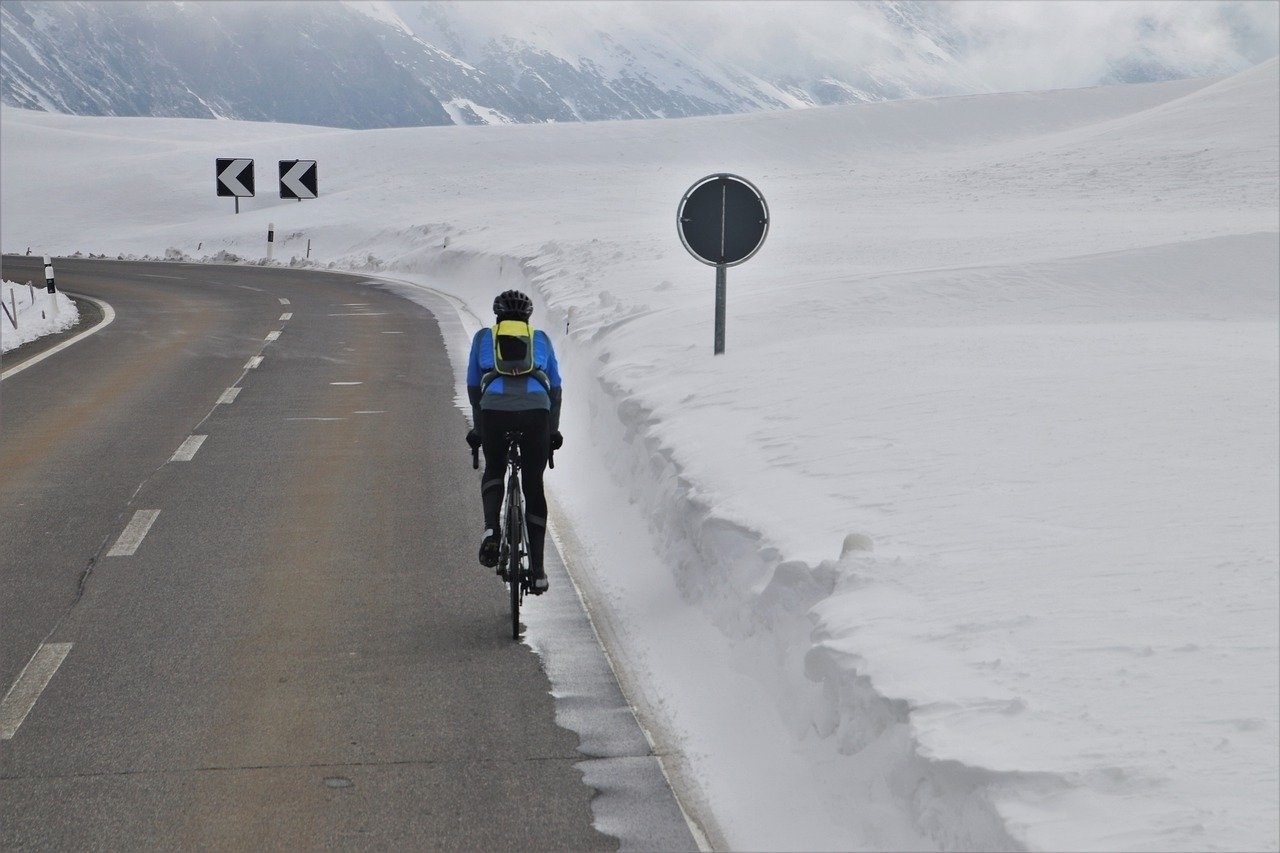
x: 400, y: 63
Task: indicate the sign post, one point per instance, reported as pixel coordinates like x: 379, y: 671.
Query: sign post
x: 722, y: 220
x: 234, y: 178
x: 722, y: 299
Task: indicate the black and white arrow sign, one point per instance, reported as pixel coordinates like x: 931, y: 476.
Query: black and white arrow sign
x: 298, y: 179
x: 235, y: 177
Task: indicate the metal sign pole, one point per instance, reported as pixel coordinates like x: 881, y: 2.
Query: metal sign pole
x: 721, y: 299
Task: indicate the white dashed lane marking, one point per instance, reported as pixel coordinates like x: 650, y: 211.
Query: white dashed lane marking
x: 229, y: 396
x: 371, y: 412
x: 273, y: 336
x: 288, y: 315
x: 253, y: 362
x: 187, y: 451
x: 346, y: 383
x: 283, y: 301
x: 134, y: 532
x: 32, y: 681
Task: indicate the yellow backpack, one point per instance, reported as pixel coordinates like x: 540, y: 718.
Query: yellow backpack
x: 513, y: 353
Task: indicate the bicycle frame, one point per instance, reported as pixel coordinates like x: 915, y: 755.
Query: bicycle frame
x: 513, y: 528
x: 513, y: 553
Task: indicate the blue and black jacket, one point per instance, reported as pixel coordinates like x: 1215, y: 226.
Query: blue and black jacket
x: 488, y: 389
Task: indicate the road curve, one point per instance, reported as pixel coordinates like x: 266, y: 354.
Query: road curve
x: 239, y: 573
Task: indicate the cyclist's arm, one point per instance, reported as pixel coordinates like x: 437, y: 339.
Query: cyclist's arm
x: 554, y: 393
x: 474, y: 375
x: 473, y: 394
x: 553, y: 380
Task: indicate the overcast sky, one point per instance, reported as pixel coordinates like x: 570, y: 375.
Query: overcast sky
x: 1001, y: 44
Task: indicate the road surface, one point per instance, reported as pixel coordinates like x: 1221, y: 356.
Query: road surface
x: 241, y: 605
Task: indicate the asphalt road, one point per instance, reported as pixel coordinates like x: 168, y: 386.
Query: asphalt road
x: 283, y: 641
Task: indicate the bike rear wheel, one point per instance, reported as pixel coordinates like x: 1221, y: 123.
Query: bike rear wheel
x: 515, y: 581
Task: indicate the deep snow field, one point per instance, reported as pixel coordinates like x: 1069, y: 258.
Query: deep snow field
x: 971, y: 538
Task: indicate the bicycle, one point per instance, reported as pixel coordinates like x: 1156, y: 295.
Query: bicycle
x: 513, y: 534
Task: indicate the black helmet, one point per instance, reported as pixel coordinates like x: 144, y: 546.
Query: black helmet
x: 513, y: 303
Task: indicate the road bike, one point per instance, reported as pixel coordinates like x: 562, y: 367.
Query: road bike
x: 513, y: 534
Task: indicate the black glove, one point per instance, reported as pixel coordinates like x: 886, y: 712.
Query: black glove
x: 473, y: 439
x: 557, y: 440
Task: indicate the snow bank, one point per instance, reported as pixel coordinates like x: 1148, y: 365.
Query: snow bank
x: 32, y: 313
x: 970, y: 538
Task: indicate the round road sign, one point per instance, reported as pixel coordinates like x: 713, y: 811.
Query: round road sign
x: 722, y: 220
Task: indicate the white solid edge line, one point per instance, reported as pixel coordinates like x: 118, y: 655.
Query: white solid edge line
x: 108, y: 314
x: 187, y: 451
x: 134, y: 532
x: 31, y: 682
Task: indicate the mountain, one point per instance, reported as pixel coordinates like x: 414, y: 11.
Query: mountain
x: 396, y: 63
x: 305, y: 63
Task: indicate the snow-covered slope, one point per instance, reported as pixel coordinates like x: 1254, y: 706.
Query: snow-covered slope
x: 969, y: 540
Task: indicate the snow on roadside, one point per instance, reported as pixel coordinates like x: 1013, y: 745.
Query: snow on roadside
x: 30, y: 313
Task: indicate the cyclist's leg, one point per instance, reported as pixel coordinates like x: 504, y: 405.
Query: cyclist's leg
x: 494, y: 427
x: 534, y: 449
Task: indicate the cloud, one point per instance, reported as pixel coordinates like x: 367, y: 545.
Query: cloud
x: 973, y: 45
x: 1040, y: 45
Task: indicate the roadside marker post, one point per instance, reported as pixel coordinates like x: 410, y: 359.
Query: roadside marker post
x: 271, y: 240
x: 49, y: 285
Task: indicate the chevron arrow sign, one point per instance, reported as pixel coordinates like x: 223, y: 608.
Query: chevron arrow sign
x: 298, y: 179
x: 235, y: 177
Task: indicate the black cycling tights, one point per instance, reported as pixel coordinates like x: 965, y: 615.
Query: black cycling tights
x: 535, y: 424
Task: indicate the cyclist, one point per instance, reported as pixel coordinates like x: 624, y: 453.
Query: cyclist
x: 513, y: 382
